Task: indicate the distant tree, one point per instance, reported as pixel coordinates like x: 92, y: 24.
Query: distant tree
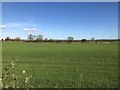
x: 31, y: 37
x: 70, y: 39
x: 46, y: 39
x: 39, y: 38
x: 7, y: 39
x: 92, y: 39
x: 12, y: 39
x: 83, y: 40
x: 51, y: 40
x: 2, y: 39
x: 17, y: 39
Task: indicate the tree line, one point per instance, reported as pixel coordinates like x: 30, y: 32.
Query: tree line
x: 39, y: 38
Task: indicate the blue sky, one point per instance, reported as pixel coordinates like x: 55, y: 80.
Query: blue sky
x: 60, y: 20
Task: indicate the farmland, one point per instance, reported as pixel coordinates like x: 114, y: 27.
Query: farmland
x: 65, y: 65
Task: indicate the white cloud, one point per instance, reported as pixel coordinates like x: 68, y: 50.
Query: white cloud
x: 30, y: 29
x: 14, y: 24
x: 27, y: 26
x: 23, y: 24
x: 2, y: 26
x: 26, y: 29
x: 20, y: 24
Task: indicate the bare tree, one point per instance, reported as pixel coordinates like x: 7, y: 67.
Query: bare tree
x: 70, y: 39
x: 92, y: 39
x: 17, y: 39
x: 8, y: 39
x: 39, y: 38
x: 31, y: 37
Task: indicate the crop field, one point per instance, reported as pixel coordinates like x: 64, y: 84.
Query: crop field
x: 63, y: 65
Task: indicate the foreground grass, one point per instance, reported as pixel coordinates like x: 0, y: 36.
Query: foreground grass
x: 65, y: 65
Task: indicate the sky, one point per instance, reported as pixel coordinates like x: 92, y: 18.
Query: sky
x: 59, y: 20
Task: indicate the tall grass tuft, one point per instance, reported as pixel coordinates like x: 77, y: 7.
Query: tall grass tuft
x: 15, y: 80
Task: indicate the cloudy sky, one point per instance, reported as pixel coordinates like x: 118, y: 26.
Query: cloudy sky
x: 60, y: 20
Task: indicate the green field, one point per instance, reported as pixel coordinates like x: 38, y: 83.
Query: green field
x: 65, y: 65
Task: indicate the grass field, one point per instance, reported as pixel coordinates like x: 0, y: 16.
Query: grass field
x: 65, y: 65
